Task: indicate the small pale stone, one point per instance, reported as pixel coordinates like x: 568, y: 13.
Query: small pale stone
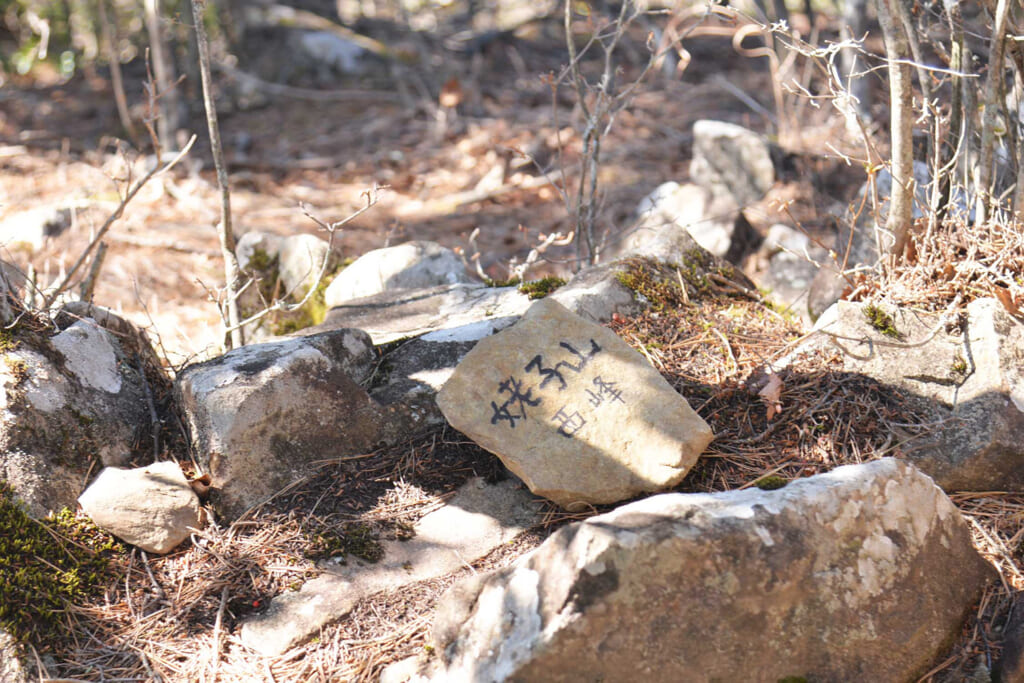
x: 571, y: 409
x: 152, y: 507
x: 414, y: 265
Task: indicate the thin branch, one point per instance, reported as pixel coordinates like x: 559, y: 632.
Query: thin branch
x: 331, y: 228
x: 62, y: 285
x: 224, y: 230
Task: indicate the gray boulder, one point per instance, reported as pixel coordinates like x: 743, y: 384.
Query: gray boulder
x: 328, y: 52
x: 260, y: 415
x: 299, y: 261
x: 713, y: 219
x: 573, y: 411
x: 862, y: 574
x: 255, y: 249
x: 970, y: 385
x: 414, y: 265
x: 399, y: 314
x: 151, y: 507
x: 786, y: 267
x: 285, y: 268
x: 71, y: 401
x: 731, y: 160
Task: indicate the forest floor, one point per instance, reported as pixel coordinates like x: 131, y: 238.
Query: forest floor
x: 446, y: 174
x: 60, y: 146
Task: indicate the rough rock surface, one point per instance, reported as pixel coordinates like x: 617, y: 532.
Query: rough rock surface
x: 573, y: 411
x: 12, y: 661
x: 69, y: 400
x: 1010, y: 666
x: 414, y: 265
x: 414, y: 371
x: 390, y: 316
x: 330, y: 51
x: 787, y: 268
x: 254, y: 244
x: 299, y: 261
x: 259, y: 415
x: 729, y: 159
x: 597, y: 294
x: 972, y: 384
x: 862, y: 574
x: 713, y: 220
x: 477, y: 519
x: 298, y: 258
x: 151, y: 507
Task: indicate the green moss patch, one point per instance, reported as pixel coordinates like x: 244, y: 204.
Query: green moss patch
x: 357, y: 539
x: 538, y: 289
x: 660, y: 286
x: 46, y: 566
x: 881, y: 321
x: 510, y: 282
x: 771, y: 483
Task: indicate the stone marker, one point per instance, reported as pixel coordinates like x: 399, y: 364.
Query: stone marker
x: 862, y: 574
x: 573, y: 411
x: 152, y: 507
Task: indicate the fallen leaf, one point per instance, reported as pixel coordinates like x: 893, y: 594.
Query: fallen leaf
x: 1007, y: 299
x: 451, y: 94
x: 771, y: 395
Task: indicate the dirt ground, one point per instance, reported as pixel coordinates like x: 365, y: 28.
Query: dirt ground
x: 59, y: 146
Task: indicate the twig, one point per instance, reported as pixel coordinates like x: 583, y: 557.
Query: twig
x: 62, y: 285
x: 158, y: 592
x: 88, y: 286
x: 216, y: 634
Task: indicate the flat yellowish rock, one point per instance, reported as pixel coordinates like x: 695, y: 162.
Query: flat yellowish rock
x: 573, y: 411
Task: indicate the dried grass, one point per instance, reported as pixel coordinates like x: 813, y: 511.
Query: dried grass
x: 160, y: 619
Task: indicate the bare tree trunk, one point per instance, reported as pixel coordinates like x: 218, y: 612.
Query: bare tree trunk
x: 110, y: 45
x: 1018, y: 192
x: 227, y: 237
x: 167, y: 122
x: 958, y: 141
x: 901, y: 204
x: 993, y: 88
